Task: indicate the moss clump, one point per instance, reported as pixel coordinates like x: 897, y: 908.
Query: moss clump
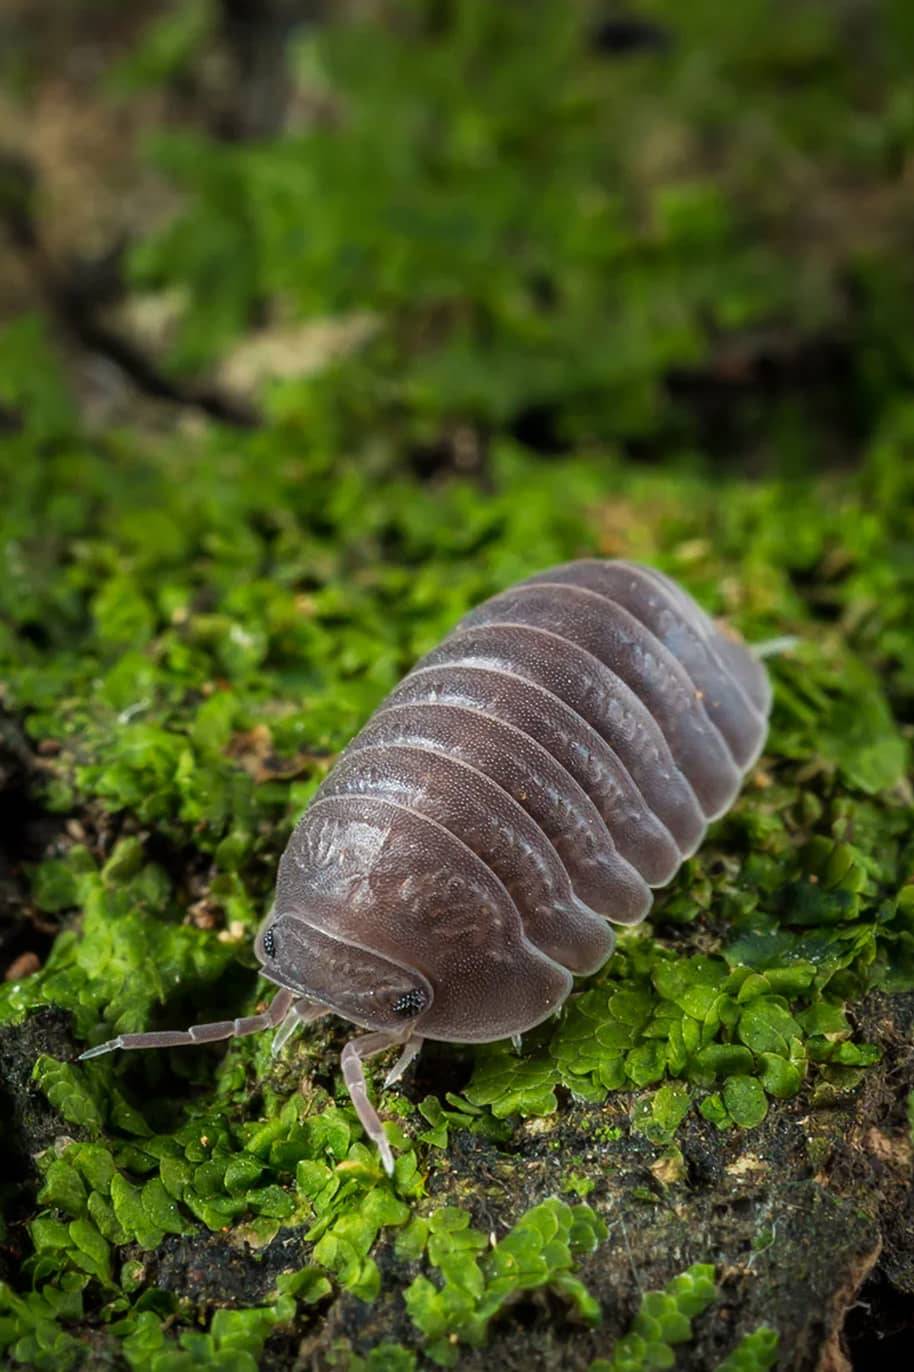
x: 561, y: 309
x: 540, y: 1251
x: 754, y: 1353
x: 190, y: 733
x: 192, y: 710
x: 664, y: 1320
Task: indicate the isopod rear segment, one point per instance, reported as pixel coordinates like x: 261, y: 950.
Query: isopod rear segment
x: 525, y: 787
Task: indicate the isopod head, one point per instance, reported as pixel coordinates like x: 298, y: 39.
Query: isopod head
x: 349, y: 980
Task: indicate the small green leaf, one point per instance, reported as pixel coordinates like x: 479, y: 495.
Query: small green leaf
x: 94, y: 1252
x: 63, y: 1188
x: 665, y: 1111
x: 131, y: 1213
x: 779, y: 1077
x: 65, y: 1087
x: 745, y: 1101
x: 766, y: 1027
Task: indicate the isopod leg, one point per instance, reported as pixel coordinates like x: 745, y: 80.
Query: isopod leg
x: 770, y: 647
x: 411, y: 1050
x: 351, y: 1059
x: 200, y: 1033
x: 298, y: 1014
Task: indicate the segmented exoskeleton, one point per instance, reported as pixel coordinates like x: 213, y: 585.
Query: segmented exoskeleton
x: 526, y: 785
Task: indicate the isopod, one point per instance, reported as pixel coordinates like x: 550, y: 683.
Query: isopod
x: 527, y: 784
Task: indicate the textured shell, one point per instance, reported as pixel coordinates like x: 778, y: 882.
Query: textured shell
x: 556, y: 757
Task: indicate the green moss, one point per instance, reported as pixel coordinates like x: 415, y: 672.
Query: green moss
x: 638, y: 249
x: 754, y: 1353
x: 166, y: 48
x: 386, y: 1357
x: 817, y: 912
x: 234, y: 1341
x: 540, y: 1251
x: 297, y: 1170
x: 659, y: 1116
x: 32, y: 1326
x: 804, y: 885
x: 664, y: 1319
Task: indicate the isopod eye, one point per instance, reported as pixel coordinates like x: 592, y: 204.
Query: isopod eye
x: 268, y: 943
x: 409, y: 1004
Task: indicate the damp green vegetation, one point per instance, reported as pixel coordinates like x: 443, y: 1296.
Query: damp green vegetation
x: 664, y: 1321
x: 539, y: 1251
x: 596, y: 312
x: 755, y: 1352
x: 547, y: 237
x: 216, y: 624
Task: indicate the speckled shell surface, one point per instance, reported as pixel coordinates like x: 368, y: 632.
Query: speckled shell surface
x: 557, y: 756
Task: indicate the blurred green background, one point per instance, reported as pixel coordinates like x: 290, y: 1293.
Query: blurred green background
x: 675, y: 229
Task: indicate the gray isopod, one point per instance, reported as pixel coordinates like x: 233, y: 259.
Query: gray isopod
x: 557, y: 756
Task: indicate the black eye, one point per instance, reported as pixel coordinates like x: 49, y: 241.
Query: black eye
x: 268, y: 943
x: 409, y: 1004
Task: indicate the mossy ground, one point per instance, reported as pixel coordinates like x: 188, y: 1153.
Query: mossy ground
x: 420, y: 323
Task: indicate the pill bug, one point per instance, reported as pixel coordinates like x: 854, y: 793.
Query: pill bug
x: 529, y: 781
